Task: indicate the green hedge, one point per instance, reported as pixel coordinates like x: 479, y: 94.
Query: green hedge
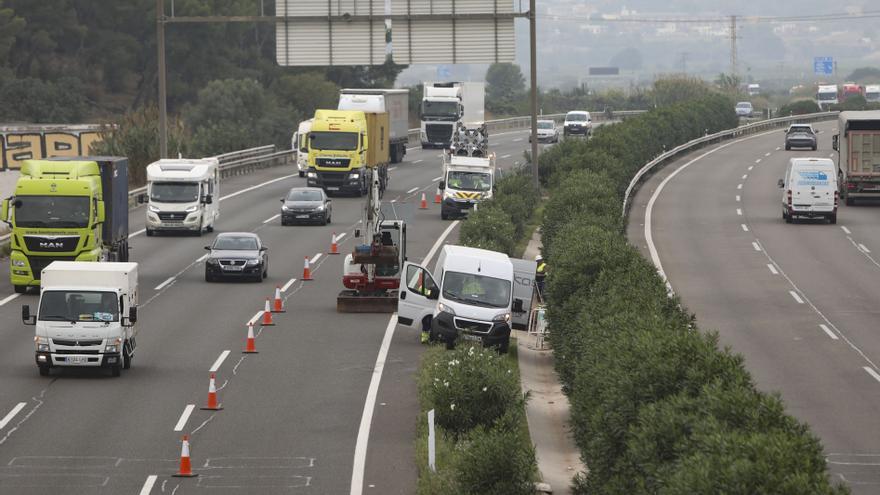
x: 499, y: 222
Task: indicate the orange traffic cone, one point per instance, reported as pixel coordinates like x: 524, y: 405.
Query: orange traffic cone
x: 185, y: 470
x: 334, y: 247
x: 279, y: 304
x: 438, y: 198
x: 307, y: 272
x: 212, y: 397
x: 424, y: 205
x: 267, y: 315
x: 250, y: 345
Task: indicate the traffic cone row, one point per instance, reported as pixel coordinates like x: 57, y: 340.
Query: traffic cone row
x: 185, y: 470
x: 279, y: 304
x: 438, y: 198
x: 267, y: 315
x: 424, y: 203
x: 334, y: 247
x: 212, y: 404
x: 307, y: 272
x: 250, y: 346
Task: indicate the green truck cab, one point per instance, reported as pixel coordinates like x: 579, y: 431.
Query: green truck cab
x: 66, y: 209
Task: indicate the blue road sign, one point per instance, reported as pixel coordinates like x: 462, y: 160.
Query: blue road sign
x: 823, y: 66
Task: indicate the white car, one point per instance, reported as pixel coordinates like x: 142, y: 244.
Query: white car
x: 744, y: 109
x: 809, y: 189
x: 547, y: 132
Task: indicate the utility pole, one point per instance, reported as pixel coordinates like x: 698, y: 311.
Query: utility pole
x: 163, y: 108
x: 733, y: 37
x: 534, y: 75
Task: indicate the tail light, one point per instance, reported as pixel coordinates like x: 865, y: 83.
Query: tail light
x: 836, y: 198
x: 851, y: 186
x: 789, y: 198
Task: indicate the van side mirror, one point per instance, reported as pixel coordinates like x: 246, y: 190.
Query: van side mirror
x: 132, y: 315
x: 209, y: 199
x: 835, y: 142
x: 781, y: 183
x: 442, y: 185
x: 282, y: 200
x: 141, y: 198
x: 518, y: 306
x: 26, y: 316
x: 207, y: 248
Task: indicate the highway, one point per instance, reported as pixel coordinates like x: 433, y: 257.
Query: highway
x: 800, y: 301
x: 291, y: 414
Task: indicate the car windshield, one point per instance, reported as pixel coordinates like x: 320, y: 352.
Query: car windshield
x: 59, y: 212
x: 440, y: 109
x: 828, y: 96
x: 476, y: 290
x: 342, y: 141
x: 174, y: 192
x: 576, y: 117
x: 469, y: 181
x: 78, y: 306
x: 235, y: 243
x: 546, y: 125
x: 305, y: 195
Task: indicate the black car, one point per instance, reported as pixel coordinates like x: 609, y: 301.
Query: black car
x: 800, y: 136
x: 306, y: 205
x: 239, y: 255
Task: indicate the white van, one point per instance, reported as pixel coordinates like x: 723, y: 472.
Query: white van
x: 180, y: 195
x: 472, y: 298
x: 809, y: 189
x: 577, y: 122
x: 300, y: 143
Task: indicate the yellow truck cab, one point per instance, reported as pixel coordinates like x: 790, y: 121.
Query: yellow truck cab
x: 344, y: 146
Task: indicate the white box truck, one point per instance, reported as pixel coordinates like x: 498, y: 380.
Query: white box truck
x: 394, y: 102
x: 86, y: 316
x: 181, y: 195
x: 826, y: 96
x: 466, y: 182
x: 444, y: 105
x: 473, y: 294
x: 300, y: 143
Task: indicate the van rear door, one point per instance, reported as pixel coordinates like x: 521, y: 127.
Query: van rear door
x: 813, y: 188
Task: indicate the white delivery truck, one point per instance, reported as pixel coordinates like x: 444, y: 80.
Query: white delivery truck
x: 466, y: 181
x: 826, y: 96
x: 394, y: 102
x: 86, y: 316
x: 181, y: 195
x: 300, y: 143
x: 872, y: 93
x: 444, y: 105
x: 471, y: 295
x: 809, y: 189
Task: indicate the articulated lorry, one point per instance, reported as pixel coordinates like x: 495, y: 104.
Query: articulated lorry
x: 66, y: 209
x: 86, y: 316
x: 858, y: 147
x: 447, y: 104
x: 347, y: 148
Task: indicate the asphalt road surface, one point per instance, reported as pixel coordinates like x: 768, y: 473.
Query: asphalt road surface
x: 800, y: 301
x: 291, y: 414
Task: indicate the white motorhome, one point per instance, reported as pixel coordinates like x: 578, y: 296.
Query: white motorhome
x: 183, y: 195
x: 86, y: 316
x: 809, y: 189
x: 300, y: 143
x: 466, y: 182
x: 827, y: 95
x: 470, y: 295
x: 872, y: 93
x: 754, y: 89
x: 444, y: 105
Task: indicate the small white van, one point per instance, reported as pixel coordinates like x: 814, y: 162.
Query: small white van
x: 809, y: 189
x: 470, y: 296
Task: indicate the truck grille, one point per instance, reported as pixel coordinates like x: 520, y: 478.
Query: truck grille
x: 76, y: 343
x: 333, y: 179
x: 333, y: 162
x: 232, y: 262
x: 38, y: 263
x: 51, y: 243
x: 438, y: 133
x: 177, y: 216
x: 472, y: 326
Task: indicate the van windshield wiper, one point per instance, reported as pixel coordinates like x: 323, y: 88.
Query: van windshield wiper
x: 57, y: 318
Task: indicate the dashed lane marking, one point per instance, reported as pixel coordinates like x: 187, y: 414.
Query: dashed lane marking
x: 796, y: 297
x: 184, y: 417
x: 165, y: 283
x: 871, y: 372
x: 273, y: 217
x: 846, y: 230
x: 772, y: 269
x: 745, y: 227
x: 11, y: 414
x: 756, y: 246
x: 828, y: 331
x: 316, y: 258
x: 148, y: 485
x: 9, y: 298
x: 220, y: 359
x: 288, y: 284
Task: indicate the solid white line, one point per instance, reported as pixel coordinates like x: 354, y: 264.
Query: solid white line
x: 846, y: 230
x: 15, y: 410
x: 739, y: 186
x: 287, y: 285
x: 827, y: 330
x: 505, y: 157
x: 739, y: 211
x: 249, y: 189
x: 773, y: 269
x: 148, y: 485
x: 871, y: 372
x: 418, y: 161
x: 437, y: 179
x: 756, y: 246
x: 746, y: 176
x: 745, y: 227
x: 412, y: 190
x: 9, y: 298
x: 220, y: 359
x: 796, y: 297
x: 163, y: 284
x: 863, y: 248
x: 738, y: 199
x: 360, y: 450
x: 184, y: 417
x: 758, y: 160
x: 134, y: 234
x: 257, y: 316
x: 273, y: 217
x: 751, y: 167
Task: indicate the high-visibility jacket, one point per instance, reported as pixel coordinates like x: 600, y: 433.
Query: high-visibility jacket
x: 542, y: 271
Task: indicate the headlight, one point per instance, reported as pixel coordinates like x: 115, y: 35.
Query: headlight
x: 192, y: 208
x: 154, y: 209
x: 19, y: 263
x: 354, y: 176
x: 42, y: 344
x: 253, y: 262
x: 319, y: 208
x: 445, y: 309
x: 211, y: 261
x: 113, y: 347
x: 312, y: 175
x: 502, y: 318
x: 284, y: 208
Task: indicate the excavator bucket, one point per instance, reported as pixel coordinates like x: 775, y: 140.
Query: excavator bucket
x: 350, y: 301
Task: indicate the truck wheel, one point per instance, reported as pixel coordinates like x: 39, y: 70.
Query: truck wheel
x: 44, y: 370
x: 208, y: 277
x: 149, y: 232
x: 832, y: 219
x: 850, y: 201
x: 209, y: 228
x: 116, y: 370
x: 788, y: 219
x: 504, y: 347
x: 20, y: 289
x: 302, y: 173
x: 444, y: 215
x: 126, y: 356
x: 450, y: 345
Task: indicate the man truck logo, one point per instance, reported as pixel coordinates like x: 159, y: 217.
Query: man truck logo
x: 51, y: 245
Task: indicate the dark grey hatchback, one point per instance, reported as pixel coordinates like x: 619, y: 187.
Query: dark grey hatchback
x: 306, y: 205
x: 801, y: 136
x: 238, y: 255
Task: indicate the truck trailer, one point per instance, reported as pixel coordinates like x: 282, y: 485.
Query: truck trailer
x: 394, y: 102
x: 858, y: 147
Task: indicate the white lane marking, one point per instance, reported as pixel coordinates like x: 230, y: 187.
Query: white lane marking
x: 203, y: 258
x: 518, y: 140
x: 738, y: 199
x: 505, y: 157
x: 148, y: 485
x: 871, y: 372
x: 316, y: 258
x: 273, y: 217
x: 739, y: 186
x: 163, y: 284
x: 751, y: 167
x: 257, y: 316
x: 436, y: 179
x: 360, y: 450
x: 864, y: 248
x: 412, y: 190
x: 772, y: 269
x: 418, y: 161
x: 767, y: 154
x: 745, y: 227
x: 184, y: 417
x: 288, y: 284
x: 739, y: 211
x: 249, y: 189
x: 778, y: 148
x: 392, y: 168
x: 796, y: 297
x: 746, y: 176
x: 340, y: 236
x: 758, y: 160
x: 9, y: 298
x: 135, y: 234
x: 756, y: 246
x: 846, y: 230
x: 220, y: 359
x: 828, y: 331
x: 11, y: 414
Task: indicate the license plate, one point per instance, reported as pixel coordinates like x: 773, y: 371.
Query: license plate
x: 302, y: 216
x: 77, y: 359
x: 233, y: 268
x: 473, y: 338
x: 332, y: 188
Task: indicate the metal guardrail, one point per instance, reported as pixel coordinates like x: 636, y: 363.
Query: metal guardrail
x: 718, y: 136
